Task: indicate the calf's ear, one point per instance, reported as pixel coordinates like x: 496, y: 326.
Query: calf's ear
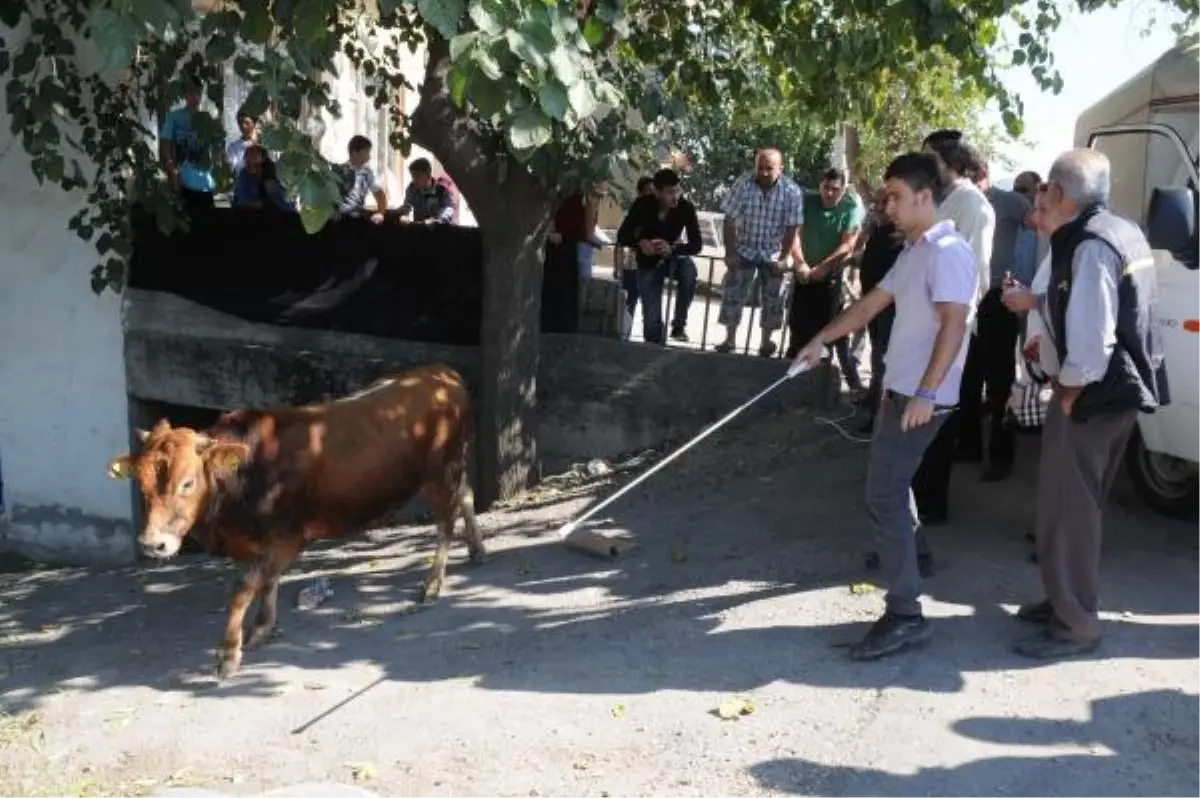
x: 120, y: 467
x: 226, y: 457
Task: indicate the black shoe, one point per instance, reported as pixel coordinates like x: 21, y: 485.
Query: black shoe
x: 891, y: 634
x: 1040, y: 613
x: 679, y: 334
x: 996, y: 473
x: 1049, y: 643
x: 924, y: 563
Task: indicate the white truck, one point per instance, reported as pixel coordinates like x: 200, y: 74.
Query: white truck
x: 1149, y: 129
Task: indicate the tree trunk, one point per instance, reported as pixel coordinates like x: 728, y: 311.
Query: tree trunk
x: 506, y: 431
x: 513, y: 210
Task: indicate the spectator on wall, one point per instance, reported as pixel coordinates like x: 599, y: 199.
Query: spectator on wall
x: 358, y: 180
x: 629, y: 276
x: 445, y: 181
x: 188, y: 167
x: 426, y: 199
x: 257, y: 186
x: 235, y: 151
x: 571, y: 248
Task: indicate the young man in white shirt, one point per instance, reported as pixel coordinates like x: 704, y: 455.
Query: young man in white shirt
x: 968, y: 208
x: 933, y: 287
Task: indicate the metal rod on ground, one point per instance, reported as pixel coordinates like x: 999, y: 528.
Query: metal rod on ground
x: 595, y: 543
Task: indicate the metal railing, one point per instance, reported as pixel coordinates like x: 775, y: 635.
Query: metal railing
x: 709, y: 290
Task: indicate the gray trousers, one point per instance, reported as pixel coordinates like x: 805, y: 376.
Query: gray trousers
x: 1079, y: 464
x: 895, y: 455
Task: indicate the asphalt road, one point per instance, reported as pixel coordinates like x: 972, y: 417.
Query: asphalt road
x: 547, y: 672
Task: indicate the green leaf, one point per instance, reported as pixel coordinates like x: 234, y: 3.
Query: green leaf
x: 54, y: 167
x: 458, y: 84
x: 442, y: 15
x: 594, y: 31
x: 311, y: 20
x: 553, y: 99
x: 486, y: 17
x: 1018, y: 57
x: 314, y: 218
x: 388, y: 6
x: 581, y: 99
x: 112, y: 33
x: 525, y: 48
x: 256, y: 102
x: 11, y: 13
x: 563, y: 66
x: 220, y: 49
x: 529, y: 130
x: 488, y: 64
x: 488, y: 96
x: 257, y: 23
x: 461, y: 43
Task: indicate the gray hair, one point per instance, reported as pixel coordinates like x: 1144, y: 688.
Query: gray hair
x: 1083, y: 175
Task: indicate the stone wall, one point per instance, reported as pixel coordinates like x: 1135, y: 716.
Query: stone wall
x: 598, y: 396
x: 600, y: 307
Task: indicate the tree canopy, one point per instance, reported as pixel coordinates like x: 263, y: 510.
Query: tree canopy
x: 557, y: 91
x: 719, y: 147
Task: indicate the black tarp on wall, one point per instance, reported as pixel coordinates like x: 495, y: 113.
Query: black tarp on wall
x: 409, y: 281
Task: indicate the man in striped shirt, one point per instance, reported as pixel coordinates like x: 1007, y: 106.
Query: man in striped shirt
x: 763, y: 213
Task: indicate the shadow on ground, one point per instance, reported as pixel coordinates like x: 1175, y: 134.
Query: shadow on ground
x: 1126, y: 747
x: 744, y: 522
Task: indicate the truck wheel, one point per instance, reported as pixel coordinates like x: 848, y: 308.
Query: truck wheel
x: 1168, y: 484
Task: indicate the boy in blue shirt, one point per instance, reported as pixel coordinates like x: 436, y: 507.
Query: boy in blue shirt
x: 187, y: 165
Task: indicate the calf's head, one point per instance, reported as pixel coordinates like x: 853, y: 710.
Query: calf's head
x: 176, y: 470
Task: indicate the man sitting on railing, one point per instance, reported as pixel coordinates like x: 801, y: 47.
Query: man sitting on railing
x: 653, y: 226
x: 629, y: 277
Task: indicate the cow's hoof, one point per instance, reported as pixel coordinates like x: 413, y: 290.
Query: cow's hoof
x: 261, y: 635
x: 228, y: 662
x: 429, y: 592
x: 479, y: 556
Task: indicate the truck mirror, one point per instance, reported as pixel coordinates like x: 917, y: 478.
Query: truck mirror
x: 1171, y: 223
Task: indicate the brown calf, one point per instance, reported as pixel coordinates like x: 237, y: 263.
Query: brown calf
x: 259, y: 486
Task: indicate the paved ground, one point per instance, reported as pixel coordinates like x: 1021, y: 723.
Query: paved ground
x: 546, y: 672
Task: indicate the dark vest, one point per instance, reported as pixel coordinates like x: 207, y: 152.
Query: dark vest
x: 1137, y: 377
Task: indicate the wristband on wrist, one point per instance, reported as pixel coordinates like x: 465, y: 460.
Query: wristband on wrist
x: 926, y: 394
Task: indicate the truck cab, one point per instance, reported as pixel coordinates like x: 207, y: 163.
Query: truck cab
x: 1149, y: 129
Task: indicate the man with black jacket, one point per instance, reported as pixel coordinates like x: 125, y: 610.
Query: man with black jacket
x: 1102, y: 301
x: 884, y: 244
x: 653, y: 226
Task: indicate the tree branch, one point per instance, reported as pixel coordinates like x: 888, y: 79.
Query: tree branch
x: 440, y: 127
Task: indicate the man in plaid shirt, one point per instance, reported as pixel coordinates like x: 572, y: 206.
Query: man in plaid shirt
x: 763, y: 213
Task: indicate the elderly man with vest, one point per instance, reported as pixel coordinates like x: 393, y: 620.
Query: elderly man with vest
x: 1107, y: 366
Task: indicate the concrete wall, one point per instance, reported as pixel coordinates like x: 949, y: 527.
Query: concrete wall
x: 600, y: 397
x: 62, y: 376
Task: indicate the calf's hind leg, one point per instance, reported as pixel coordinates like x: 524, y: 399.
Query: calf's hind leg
x: 447, y: 503
x: 465, y: 499
x: 265, y: 622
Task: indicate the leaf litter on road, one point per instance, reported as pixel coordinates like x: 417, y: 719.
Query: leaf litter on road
x: 735, y: 708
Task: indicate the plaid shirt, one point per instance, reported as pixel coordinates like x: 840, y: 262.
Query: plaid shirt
x: 761, y: 216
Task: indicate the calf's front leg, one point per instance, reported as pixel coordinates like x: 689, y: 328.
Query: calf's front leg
x: 229, y: 654
x: 276, y: 563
